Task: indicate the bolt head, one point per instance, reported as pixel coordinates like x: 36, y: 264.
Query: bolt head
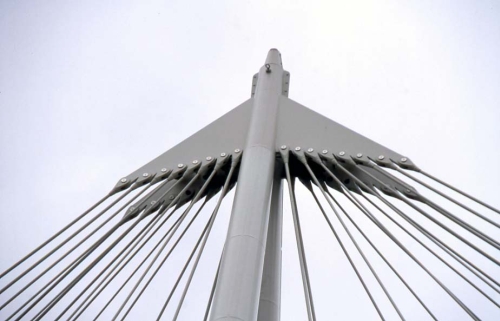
x: 223, y: 154
x: 145, y: 175
x: 195, y: 161
x: 123, y: 180
x: 171, y: 197
x: 297, y: 148
x: 131, y: 209
x: 404, y: 159
x: 381, y: 157
x: 283, y: 147
x: 153, y: 202
x: 310, y: 150
x: 408, y: 191
x: 342, y: 153
x: 359, y: 155
x: 237, y: 150
x: 208, y: 158
x: 180, y: 165
x: 163, y: 169
x: 324, y: 151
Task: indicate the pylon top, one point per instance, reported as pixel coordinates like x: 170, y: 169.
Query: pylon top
x: 274, y: 57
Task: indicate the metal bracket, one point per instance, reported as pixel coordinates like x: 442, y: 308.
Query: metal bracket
x: 219, y: 139
x: 301, y: 126
x: 286, y: 83
x: 255, y: 79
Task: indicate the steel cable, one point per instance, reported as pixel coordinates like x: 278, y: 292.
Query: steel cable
x: 298, y: 238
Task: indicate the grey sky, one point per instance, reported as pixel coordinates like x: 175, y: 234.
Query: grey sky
x: 90, y: 91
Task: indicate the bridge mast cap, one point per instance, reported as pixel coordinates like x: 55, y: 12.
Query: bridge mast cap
x: 274, y: 57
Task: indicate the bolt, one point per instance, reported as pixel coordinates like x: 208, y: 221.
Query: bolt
x: 324, y: 151
x: 237, y: 150
x: 283, y: 147
x: 404, y: 159
x: 223, y: 154
x: 123, y: 180
x: 381, y: 157
x: 310, y: 150
x: 359, y: 155
x: 131, y: 209
x: 208, y: 158
x: 342, y: 153
x: 297, y: 148
x: 408, y: 191
x: 145, y: 175
x: 171, y: 197
x: 195, y: 161
x: 153, y: 202
x: 180, y: 165
x: 163, y: 169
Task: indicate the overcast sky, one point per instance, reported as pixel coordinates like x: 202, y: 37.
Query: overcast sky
x: 92, y: 90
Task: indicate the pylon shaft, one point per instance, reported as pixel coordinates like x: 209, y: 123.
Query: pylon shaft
x: 238, y: 288
x: 270, y: 292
